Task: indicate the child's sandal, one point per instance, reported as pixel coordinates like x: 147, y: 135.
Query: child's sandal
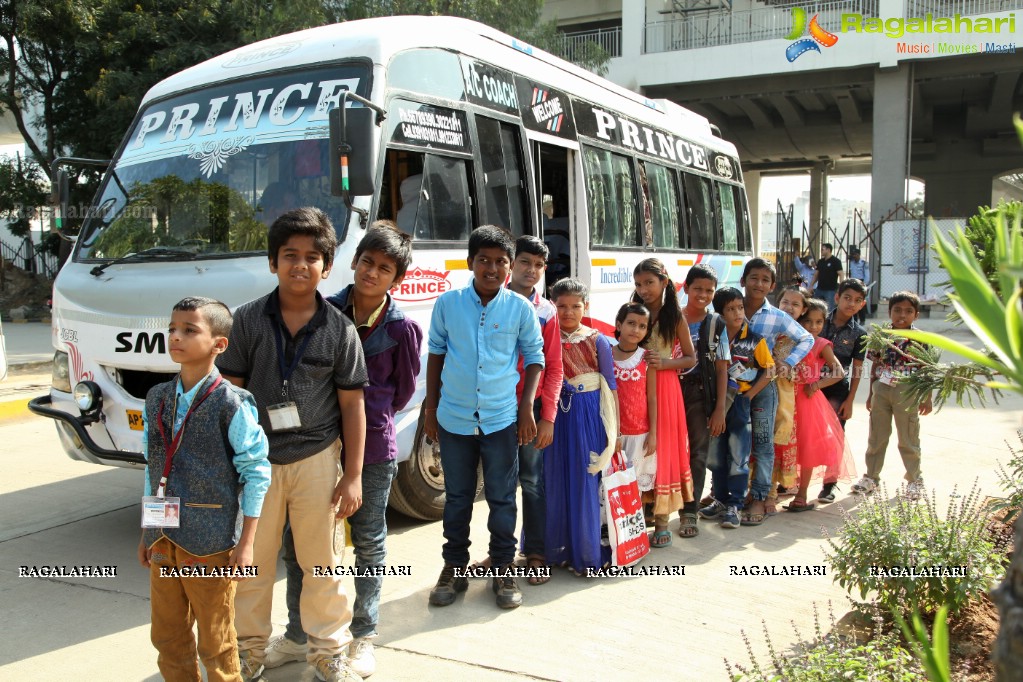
x: 799, y: 505
x: 687, y: 527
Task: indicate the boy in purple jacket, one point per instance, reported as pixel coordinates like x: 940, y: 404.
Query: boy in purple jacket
x: 391, y: 343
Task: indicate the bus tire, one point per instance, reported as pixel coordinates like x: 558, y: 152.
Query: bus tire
x: 418, y: 488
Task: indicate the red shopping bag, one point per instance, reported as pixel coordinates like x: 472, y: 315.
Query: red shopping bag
x: 626, y: 529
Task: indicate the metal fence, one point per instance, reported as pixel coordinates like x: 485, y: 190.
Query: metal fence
x: 31, y: 258
x: 710, y: 28
x: 608, y: 39
x: 908, y: 261
x: 949, y: 8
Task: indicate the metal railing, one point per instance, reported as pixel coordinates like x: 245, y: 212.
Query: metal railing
x: 723, y: 27
x: 949, y: 8
x: 30, y: 257
x: 608, y: 39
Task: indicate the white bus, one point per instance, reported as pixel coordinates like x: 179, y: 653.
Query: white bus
x: 478, y: 128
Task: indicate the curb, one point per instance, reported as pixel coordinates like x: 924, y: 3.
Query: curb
x: 13, y: 409
x: 8, y: 320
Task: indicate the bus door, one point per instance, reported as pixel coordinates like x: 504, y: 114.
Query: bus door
x: 553, y: 174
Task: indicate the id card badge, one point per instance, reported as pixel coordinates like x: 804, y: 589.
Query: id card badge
x: 284, y: 417
x: 161, y: 512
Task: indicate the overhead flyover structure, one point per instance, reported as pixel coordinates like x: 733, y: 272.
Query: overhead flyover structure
x: 916, y: 88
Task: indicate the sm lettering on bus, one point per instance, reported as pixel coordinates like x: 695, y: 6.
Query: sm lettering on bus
x: 645, y: 139
x: 282, y: 108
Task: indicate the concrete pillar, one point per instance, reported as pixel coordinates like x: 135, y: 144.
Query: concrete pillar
x: 889, y: 170
x: 633, y: 28
x: 752, y: 180
x: 892, y: 127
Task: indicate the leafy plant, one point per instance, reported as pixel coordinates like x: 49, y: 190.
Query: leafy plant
x: 829, y: 657
x: 882, y: 536
x: 1011, y: 480
x: 933, y: 653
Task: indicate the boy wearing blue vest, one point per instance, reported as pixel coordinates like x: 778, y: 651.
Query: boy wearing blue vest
x: 209, y: 446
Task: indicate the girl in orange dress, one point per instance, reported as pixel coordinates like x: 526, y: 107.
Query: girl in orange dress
x: 669, y: 349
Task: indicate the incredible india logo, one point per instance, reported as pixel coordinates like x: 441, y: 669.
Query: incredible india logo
x: 899, y: 28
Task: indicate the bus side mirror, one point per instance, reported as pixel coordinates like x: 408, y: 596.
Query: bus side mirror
x: 59, y: 194
x: 352, y: 159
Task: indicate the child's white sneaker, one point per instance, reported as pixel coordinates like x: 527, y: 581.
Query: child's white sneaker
x: 915, y: 489
x: 361, y: 657
x: 864, y: 486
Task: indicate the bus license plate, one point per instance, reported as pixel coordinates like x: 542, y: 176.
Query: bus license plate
x: 134, y: 419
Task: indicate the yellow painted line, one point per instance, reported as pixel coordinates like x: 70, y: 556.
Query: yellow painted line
x: 456, y: 265
x: 736, y: 262
x: 14, y: 408
x: 603, y: 262
x: 686, y: 261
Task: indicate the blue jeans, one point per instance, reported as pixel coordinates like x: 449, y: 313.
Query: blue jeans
x: 369, y: 535
x: 534, y: 502
x: 460, y: 457
x: 763, y: 408
x: 728, y: 455
x: 826, y: 295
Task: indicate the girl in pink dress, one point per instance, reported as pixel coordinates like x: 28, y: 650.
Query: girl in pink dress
x: 637, y: 393
x: 820, y: 440
x: 668, y: 349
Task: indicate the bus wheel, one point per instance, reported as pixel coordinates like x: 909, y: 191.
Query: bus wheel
x: 418, y: 489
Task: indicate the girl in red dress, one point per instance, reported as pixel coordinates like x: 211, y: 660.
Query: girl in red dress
x: 637, y: 393
x: 820, y: 440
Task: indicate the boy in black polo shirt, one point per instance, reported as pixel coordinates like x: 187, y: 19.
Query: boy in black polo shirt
x: 848, y: 339
x: 303, y: 361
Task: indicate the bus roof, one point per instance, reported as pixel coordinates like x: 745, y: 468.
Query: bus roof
x: 379, y: 39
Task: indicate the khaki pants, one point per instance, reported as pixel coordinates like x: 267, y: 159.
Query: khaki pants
x: 179, y: 603
x: 890, y: 402
x: 300, y: 492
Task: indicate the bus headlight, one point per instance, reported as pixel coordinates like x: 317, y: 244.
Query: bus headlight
x: 60, y: 378
x: 88, y: 396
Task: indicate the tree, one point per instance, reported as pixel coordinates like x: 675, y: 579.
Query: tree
x: 519, y: 18
x: 22, y: 189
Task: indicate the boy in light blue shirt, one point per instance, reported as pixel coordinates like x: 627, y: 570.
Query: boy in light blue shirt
x: 476, y: 336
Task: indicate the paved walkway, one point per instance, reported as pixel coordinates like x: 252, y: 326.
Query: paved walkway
x: 636, y: 628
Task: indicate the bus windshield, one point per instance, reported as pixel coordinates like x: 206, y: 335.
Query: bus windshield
x: 207, y: 172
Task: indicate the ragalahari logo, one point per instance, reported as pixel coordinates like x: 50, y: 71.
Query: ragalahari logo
x: 803, y: 45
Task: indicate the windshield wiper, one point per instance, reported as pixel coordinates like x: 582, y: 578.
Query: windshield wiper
x: 154, y: 252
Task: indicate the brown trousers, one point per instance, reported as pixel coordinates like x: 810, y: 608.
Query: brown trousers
x: 887, y: 404
x: 178, y: 603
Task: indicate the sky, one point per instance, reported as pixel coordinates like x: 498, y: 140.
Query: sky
x: 788, y: 188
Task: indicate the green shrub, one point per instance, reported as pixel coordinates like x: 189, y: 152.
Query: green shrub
x: 904, y: 533
x: 1011, y: 480
x: 831, y: 657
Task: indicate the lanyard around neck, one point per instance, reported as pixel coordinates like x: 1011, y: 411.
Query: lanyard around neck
x: 171, y: 446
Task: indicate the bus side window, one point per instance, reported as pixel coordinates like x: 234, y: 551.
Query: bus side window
x: 700, y: 206
x: 610, y: 198
x: 742, y: 213
x: 504, y: 190
x: 662, y: 205
x: 729, y: 218
x: 427, y: 195
x: 446, y: 211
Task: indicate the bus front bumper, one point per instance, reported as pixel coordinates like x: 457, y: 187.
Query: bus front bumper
x: 83, y: 440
